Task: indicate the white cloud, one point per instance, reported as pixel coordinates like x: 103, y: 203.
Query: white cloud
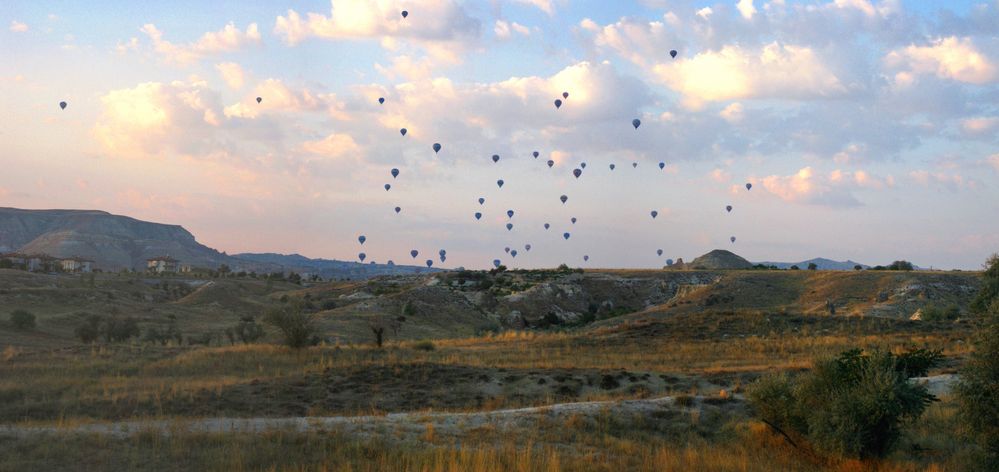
x: 979, y: 125
x: 228, y: 39
x: 546, y: 6
x: 775, y: 71
x: 994, y: 161
x: 746, y: 9
x: 808, y: 186
x: 18, y: 27
x: 732, y: 113
x: 276, y: 96
x: 948, y: 58
x: 232, y: 74
x: 504, y: 29
x: 950, y: 181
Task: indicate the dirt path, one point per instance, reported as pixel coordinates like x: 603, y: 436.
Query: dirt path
x: 409, y: 424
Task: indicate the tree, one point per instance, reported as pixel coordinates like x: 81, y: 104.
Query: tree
x: 858, y: 267
x: 297, y: 327
x: 854, y: 405
x: 115, y: 329
x: 794, y: 267
x: 89, y: 330
x: 22, y: 320
x: 248, y: 330
x: 989, y: 292
x: 976, y: 391
x: 901, y: 265
x: 812, y: 266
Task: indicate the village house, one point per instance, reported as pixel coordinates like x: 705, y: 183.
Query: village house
x: 76, y: 264
x: 161, y: 264
x: 31, y: 263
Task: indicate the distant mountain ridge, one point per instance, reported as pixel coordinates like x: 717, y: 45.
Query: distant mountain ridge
x: 331, y: 268
x: 821, y: 263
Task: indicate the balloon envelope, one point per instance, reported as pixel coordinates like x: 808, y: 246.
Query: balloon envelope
x: 550, y: 163
x: 500, y: 183
x: 395, y: 173
x: 612, y: 166
x: 573, y: 220
x: 654, y: 214
x: 414, y: 253
x: 662, y: 165
x: 398, y: 209
x: 381, y: 99
x: 495, y: 157
x: 547, y: 226
x: 749, y: 186
x: 482, y: 200
x: 496, y: 262
x: 361, y: 239
x: 577, y: 172
x: 536, y: 154
x: 259, y: 99
x: 634, y: 164
x: 507, y: 249
x: 478, y: 215
x: 672, y: 53
x: 62, y: 105
x: 586, y: 258
x: 527, y: 247
x: 509, y: 226
x: 732, y: 239
x: 405, y: 13
x: 558, y: 103
x: 728, y: 208
x: 513, y: 253
x: 437, y: 148
x: 659, y: 252
x: 565, y: 94
x: 565, y: 235
x: 403, y: 131
x: 563, y: 198
x: 636, y: 123
x: 442, y: 252
x: 582, y: 165
x: 429, y: 262
x: 509, y: 213
x: 387, y: 187
x: 362, y: 256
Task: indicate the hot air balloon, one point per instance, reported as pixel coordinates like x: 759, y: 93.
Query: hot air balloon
x: 362, y: 256
x: 732, y: 239
x: 672, y: 53
x: 564, y: 199
x: 586, y: 258
x: 558, y: 104
x: 442, y: 252
x: 478, y: 215
x: 547, y: 226
x: 430, y: 262
x: 509, y: 213
x: 513, y: 253
x: 507, y: 249
x: 361, y: 239
x: 398, y: 209
x: 509, y: 226
x: 387, y: 187
x: 443, y: 258
x: 414, y: 253
x: 527, y: 247
x: 566, y: 236
x: 582, y: 165
x: 749, y: 186
x: 495, y: 157
x: 654, y: 214
x: 662, y: 165
x: 659, y: 252
x: 669, y: 262
x: 536, y: 154
x: 403, y: 131
x: 565, y: 94
x: 259, y: 99
x: 381, y: 100
x: 496, y: 263
x: 634, y: 164
x: 482, y: 200
x: 612, y: 166
x: 728, y: 208
x: 500, y: 183
x: 405, y: 13
x: 437, y: 148
x: 62, y: 105
x: 550, y: 163
x: 573, y: 220
x: 636, y: 123
x: 577, y: 172
x: 394, y: 172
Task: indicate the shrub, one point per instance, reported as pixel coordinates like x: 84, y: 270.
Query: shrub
x: 937, y: 313
x: 976, y: 392
x: 858, y: 267
x: 426, y: 345
x: 248, y: 330
x: 989, y: 292
x: 901, y: 265
x: 812, y: 266
x: 854, y: 405
x: 89, y: 330
x: 297, y: 327
x: 115, y: 329
x: 22, y: 319
x: 794, y: 267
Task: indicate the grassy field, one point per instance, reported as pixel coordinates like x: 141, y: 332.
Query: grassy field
x: 699, y: 353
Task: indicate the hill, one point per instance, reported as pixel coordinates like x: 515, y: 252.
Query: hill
x: 821, y: 263
x: 719, y: 259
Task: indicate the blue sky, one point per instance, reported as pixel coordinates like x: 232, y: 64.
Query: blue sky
x: 868, y: 129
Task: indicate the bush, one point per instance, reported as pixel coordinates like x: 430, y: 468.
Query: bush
x: 813, y: 266
x: 89, y: 330
x: 297, y: 327
x: 248, y: 330
x: 989, y: 292
x: 115, y: 329
x: 424, y: 345
x: 22, y: 320
x: 937, y: 313
x: 852, y: 406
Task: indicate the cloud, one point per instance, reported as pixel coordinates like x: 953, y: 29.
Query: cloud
x: 948, y: 58
x: 775, y: 71
x: 733, y: 113
x: 444, y: 28
x: 232, y: 74
x: 228, y: 39
x: 503, y: 29
x: 949, y: 181
x: 546, y: 6
x: 993, y: 160
x: 809, y: 187
x: 746, y: 9
x: 18, y: 27
x: 979, y: 125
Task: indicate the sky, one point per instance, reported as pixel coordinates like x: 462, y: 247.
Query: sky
x: 869, y: 130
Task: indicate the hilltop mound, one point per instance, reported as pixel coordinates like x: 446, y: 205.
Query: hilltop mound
x: 719, y: 259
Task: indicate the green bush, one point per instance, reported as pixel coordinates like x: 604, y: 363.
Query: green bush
x: 938, y: 313
x: 977, y: 395
x: 248, y: 330
x: 854, y: 405
x: 989, y: 292
x: 23, y: 320
x: 296, y: 327
x: 89, y: 330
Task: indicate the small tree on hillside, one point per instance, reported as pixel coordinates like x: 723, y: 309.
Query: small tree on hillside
x: 22, y: 320
x: 248, y: 330
x: 297, y: 327
x: 812, y: 266
x: 989, y: 292
x: 858, y: 267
